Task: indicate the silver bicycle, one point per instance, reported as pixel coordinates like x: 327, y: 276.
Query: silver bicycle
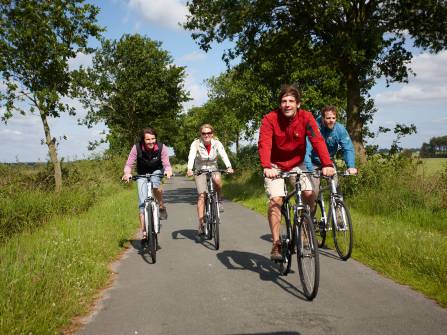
x: 151, y: 218
x: 337, y: 219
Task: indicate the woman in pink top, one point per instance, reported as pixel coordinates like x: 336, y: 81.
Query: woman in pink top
x: 150, y: 156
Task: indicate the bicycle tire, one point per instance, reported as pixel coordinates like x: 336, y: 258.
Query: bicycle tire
x: 320, y: 225
x: 151, y: 235
x: 342, y: 231
x: 307, y: 257
x: 215, y: 224
x: 286, y: 240
x: 208, y: 219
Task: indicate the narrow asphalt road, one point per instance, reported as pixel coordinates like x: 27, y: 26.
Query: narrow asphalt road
x: 194, y: 289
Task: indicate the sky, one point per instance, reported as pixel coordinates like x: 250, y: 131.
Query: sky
x: 422, y: 101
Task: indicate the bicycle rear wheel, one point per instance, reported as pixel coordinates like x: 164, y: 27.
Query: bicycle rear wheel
x: 286, y: 240
x: 151, y: 235
x: 319, y: 223
x: 307, y: 256
x: 342, y: 229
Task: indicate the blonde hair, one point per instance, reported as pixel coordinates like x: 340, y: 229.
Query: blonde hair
x: 205, y: 125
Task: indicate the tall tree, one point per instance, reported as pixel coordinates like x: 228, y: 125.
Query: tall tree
x: 37, y: 39
x: 360, y: 40
x: 132, y: 84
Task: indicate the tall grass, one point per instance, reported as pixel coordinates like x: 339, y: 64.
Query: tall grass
x: 400, y: 219
x: 52, y: 275
x: 27, y: 199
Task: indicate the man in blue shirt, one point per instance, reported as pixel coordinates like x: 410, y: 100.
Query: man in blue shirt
x: 337, y: 138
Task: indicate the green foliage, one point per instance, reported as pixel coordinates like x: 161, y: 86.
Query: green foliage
x: 335, y: 47
x: 437, y: 147
x: 133, y: 84
x: 37, y: 39
x: 35, y: 204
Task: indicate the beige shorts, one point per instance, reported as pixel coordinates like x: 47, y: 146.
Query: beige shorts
x: 275, y: 187
x: 201, y: 181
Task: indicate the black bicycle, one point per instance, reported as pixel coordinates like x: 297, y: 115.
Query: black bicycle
x: 212, y: 213
x: 337, y: 219
x: 298, y: 236
x: 151, y: 218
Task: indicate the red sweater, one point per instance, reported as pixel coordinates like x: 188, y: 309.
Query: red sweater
x: 282, y: 141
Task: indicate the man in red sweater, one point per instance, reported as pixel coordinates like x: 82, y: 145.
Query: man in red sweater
x: 282, y: 147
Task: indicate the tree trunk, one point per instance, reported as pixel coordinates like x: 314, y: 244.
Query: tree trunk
x: 51, y: 143
x: 354, y: 122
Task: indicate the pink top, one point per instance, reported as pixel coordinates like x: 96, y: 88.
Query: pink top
x: 131, y: 160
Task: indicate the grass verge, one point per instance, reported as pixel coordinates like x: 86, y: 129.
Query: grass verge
x: 52, y: 275
x: 397, y: 246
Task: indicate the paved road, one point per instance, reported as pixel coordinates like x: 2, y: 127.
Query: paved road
x: 193, y: 289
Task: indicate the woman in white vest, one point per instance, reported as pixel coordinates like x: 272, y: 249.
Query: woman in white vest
x: 203, y: 154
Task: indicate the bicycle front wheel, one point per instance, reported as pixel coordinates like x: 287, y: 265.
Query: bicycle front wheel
x: 342, y: 229
x: 151, y: 235
x: 215, y: 224
x: 307, y: 256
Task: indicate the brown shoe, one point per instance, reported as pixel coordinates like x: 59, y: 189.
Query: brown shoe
x: 276, y: 255
x: 163, y: 213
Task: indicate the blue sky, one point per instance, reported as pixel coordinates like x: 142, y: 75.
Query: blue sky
x: 422, y: 101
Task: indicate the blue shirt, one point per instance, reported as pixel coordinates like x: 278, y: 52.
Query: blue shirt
x: 336, y: 138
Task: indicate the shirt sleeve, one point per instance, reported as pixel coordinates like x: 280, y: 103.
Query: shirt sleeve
x: 165, y: 158
x: 131, y: 159
x: 265, y: 143
x: 223, y: 154
x: 347, y: 147
x: 192, y: 155
x: 318, y: 142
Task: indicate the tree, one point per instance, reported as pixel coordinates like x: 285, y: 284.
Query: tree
x: 437, y: 147
x: 132, y: 85
x: 37, y: 38
x: 359, y: 40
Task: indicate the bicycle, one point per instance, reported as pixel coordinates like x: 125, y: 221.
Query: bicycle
x: 212, y: 212
x: 151, y: 218
x: 337, y: 219
x: 299, y: 235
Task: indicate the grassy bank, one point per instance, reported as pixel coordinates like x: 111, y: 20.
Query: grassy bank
x: 400, y: 221
x: 27, y: 199
x: 53, y: 274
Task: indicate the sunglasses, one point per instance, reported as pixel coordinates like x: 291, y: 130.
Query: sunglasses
x: 210, y: 133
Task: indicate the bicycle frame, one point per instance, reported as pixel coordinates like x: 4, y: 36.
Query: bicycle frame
x: 333, y: 197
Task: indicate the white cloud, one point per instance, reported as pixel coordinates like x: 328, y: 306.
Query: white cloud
x: 81, y: 59
x: 194, y: 56
x: 428, y: 86
x: 198, y: 92
x: 168, y: 13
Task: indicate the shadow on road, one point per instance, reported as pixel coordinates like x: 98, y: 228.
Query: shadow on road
x: 325, y: 251
x: 267, y: 270
x: 138, y: 245
x: 181, y: 194
x: 191, y: 234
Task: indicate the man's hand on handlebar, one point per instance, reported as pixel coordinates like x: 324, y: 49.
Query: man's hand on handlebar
x: 328, y: 171
x: 168, y: 174
x: 351, y: 171
x: 126, y: 177
x: 270, y: 172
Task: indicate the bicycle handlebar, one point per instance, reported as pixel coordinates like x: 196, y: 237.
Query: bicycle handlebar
x: 202, y: 171
x: 147, y: 176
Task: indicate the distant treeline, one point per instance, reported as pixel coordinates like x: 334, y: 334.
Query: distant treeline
x: 437, y: 147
